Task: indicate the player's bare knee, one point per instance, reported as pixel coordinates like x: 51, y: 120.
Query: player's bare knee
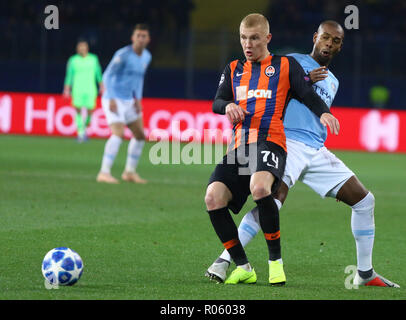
x: 259, y: 191
x: 214, y: 201
x: 117, y: 131
x: 211, y: 201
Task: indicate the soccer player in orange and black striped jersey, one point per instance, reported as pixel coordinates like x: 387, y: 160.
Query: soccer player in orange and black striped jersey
x: 254, y: 93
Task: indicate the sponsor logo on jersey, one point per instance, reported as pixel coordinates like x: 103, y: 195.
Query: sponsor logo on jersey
x: 242, y: 93
x: 327, y: 98
x: 260, y: 93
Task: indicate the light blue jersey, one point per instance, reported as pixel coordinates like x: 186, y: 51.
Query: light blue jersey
x: 124, y: 76
x: 300, y: 123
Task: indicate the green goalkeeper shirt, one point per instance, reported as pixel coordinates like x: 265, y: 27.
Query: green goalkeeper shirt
x: 82, y: 74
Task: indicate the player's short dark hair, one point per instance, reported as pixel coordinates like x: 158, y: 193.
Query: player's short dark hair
x: 332, y: 23
x: 141, y: 26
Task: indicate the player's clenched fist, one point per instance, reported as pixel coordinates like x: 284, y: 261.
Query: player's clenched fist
x: 235, y: 113
x: 327, y: 119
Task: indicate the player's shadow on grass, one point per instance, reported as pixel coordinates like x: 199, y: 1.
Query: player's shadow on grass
x: 206, y: 281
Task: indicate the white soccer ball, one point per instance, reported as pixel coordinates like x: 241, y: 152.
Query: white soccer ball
x: 62, y: 266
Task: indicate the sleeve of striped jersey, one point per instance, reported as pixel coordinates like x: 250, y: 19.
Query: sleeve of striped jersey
x: 224, y: 94
x: 301, y: 86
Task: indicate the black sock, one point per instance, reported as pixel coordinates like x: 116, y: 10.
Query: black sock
x: 227, y: 231
x: 269, y: 220
x: 220, y: 260
x: 366, y: 274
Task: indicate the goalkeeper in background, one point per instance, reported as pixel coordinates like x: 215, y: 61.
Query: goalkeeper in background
x: 83, y: 72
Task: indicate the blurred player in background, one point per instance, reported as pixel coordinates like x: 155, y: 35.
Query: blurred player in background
x: 310, y: 162
x: 83, y: 72
x: 121, y: 102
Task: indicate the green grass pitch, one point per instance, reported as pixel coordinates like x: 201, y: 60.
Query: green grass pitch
x: 155, y: 241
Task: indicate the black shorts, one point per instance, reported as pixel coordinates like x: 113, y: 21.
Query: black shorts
x: 238, y: 165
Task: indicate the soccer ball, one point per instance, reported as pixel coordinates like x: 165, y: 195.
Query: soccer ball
x: 62, y: 266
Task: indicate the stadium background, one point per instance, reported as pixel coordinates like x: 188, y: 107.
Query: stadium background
x: 192, y: 40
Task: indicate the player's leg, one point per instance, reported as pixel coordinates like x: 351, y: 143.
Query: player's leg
x: 249, y: 226
x: 329, y: 176
x: 111, y: 149
x: 116, y: 121
x: 86, y: 116
x: 247, y: 230
x: 87, y: 111
x: 80, y: 126
x: 268, y: 216
x: 134, y: 152
x: 229, y: 190
x: 79, y: 102
x: 362, y: 203
x: 269, y: 167
x: 217, y: 198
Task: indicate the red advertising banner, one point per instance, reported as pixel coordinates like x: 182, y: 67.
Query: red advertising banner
x: 186, y: 120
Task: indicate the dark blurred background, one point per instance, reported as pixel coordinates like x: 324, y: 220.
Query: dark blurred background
x: 192, y: 40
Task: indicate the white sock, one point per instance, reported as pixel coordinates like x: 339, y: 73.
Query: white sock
x: 280, y: 261
x: 363, y: 229
x: 110, y: 152
x: 134, y: 152
x: 278, y: 203
x: 249, y: 227
x: 246, y: 267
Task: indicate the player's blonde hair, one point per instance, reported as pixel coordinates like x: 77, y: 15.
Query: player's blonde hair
x: 254, y: 20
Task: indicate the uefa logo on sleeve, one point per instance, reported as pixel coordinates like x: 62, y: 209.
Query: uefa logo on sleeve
x: 269, y: 71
